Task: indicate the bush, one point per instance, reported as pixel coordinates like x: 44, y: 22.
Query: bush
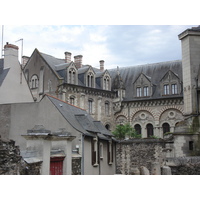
x: 121, y: 131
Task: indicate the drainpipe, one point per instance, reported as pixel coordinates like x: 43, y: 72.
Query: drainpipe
x: 197, y: 97
x: 82, y: 159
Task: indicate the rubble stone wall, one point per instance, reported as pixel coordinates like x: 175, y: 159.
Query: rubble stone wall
x: 138, y: 153
x: 11, y: 163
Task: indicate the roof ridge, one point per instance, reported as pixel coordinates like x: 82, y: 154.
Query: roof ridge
x: 147, y: 64
x: 64, y: 102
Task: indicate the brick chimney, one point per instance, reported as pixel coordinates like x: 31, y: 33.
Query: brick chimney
x: 101, y: 65
x: 67, y: 57
x: 78, y: 61
x: 10, y: 54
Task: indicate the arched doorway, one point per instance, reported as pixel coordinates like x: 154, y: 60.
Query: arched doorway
x: 149, y: 130
x: 166, y: 128
x: 137, y: 128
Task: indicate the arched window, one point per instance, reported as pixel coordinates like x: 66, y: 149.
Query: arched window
x: 72, y: 100
x: 149, y: 130
x: 137, y: 127
x: 107, y: 126
x: 34, y: 82
x: 166, y: 128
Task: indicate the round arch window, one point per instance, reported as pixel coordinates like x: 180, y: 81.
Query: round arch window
x: 137, y: 128
x: 166, y: 128
x: 150, y: 131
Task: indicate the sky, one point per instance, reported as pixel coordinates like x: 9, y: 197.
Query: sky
x: 117, y: 45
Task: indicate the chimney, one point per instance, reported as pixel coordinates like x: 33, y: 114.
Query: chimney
x: 10, y: 54
x: 101, y: 65
x: 78, y: 61
x: 67, y: 57
x: 24, y: 60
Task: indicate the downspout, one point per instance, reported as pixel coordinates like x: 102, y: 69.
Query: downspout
x: 197, y: 97
x: 82, y: 159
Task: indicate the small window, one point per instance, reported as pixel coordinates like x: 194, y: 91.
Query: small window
x: 139, y: 91
x: 90, y: 104
x: 107, y: 126
x: 191, y: 145
x: 72, y: 76
x: 166, y: 89
x: 174, y: 89
x: 90, y: 79
x: 146, y: 91
x: 72, y: 100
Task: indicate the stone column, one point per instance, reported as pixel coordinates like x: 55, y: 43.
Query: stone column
x: 46, y: 153
x: 67, y: 163
x: 144, y: 132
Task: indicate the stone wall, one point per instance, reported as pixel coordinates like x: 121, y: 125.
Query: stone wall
x: 76, y: 166
x: 139, y: 153
x: 11, y: 163
x: 184, y: 165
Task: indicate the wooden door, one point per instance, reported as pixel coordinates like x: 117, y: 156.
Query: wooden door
x: 56, y: 166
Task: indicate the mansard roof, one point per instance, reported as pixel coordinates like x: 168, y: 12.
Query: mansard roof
x: 156, y: 71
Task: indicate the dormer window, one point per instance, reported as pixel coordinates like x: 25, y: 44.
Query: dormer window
x: 170, y: 84
x: 142, y: 86
x: 34, y: 82
x: 72, y: 76
x: 90, y: 79
x: 106, y: 83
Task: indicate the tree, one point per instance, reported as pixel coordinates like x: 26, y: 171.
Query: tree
x: 121, y: 131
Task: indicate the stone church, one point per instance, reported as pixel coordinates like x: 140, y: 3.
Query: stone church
x: 153, y: 98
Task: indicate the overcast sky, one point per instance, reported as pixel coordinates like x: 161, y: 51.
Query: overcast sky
x: 118, y: 45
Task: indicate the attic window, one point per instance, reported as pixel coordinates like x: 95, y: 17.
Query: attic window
x: 146, y: 91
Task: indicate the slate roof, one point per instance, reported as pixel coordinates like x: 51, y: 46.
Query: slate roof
x: 79, y: 118
x: 154, y: 72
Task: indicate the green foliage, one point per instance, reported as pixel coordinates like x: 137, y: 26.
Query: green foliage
x: 121, y: 131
